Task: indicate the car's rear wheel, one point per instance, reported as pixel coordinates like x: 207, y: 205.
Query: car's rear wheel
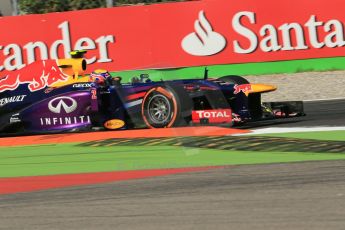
x: 162, y: 107
x: 159, y: 108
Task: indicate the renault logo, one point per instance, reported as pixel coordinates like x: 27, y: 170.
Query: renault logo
x: 66, y: 104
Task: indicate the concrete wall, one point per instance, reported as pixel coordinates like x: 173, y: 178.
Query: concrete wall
x: 6, y: 7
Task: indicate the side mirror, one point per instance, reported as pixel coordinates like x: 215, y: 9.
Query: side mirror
x: 144, y: 76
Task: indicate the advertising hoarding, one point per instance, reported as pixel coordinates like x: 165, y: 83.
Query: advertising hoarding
x: 174, y: 35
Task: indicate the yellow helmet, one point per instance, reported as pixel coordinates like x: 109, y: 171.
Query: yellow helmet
x: 99, y: 75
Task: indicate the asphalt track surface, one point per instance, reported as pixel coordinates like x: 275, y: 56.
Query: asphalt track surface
x: 277, y: 196
x: 308, y: 195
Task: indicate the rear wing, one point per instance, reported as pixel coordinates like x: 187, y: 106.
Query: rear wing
x: 74, y: 66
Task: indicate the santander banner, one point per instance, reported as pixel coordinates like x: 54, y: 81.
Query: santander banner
x: 181, y: 34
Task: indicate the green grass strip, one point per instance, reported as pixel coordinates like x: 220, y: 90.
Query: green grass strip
x: 69, y: 158
x: 278, y: 67
x: 323, y: 135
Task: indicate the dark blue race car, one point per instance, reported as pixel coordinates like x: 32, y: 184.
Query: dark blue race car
x: 62, y: 98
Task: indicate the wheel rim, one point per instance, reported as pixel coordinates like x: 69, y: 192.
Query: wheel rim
x: 159, y: 109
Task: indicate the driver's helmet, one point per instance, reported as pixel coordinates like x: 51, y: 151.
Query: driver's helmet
x: 99, y: 76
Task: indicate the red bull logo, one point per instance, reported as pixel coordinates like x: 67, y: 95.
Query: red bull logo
x: 38, y: 75
x: 245, y: 88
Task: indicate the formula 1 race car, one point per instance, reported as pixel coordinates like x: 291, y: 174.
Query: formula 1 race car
x: 55, y: 95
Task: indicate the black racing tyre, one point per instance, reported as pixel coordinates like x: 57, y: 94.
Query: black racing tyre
x: 163, y: 107
x: 234, y: 79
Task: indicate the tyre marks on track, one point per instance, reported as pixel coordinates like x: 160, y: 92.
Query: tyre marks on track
x: 252, y: 143
x: 130, y: 134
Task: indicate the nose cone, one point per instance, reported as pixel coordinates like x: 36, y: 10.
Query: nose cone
x: 261, y: 88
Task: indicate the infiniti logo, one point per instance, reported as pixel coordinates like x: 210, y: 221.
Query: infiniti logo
x: 68, y: 104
